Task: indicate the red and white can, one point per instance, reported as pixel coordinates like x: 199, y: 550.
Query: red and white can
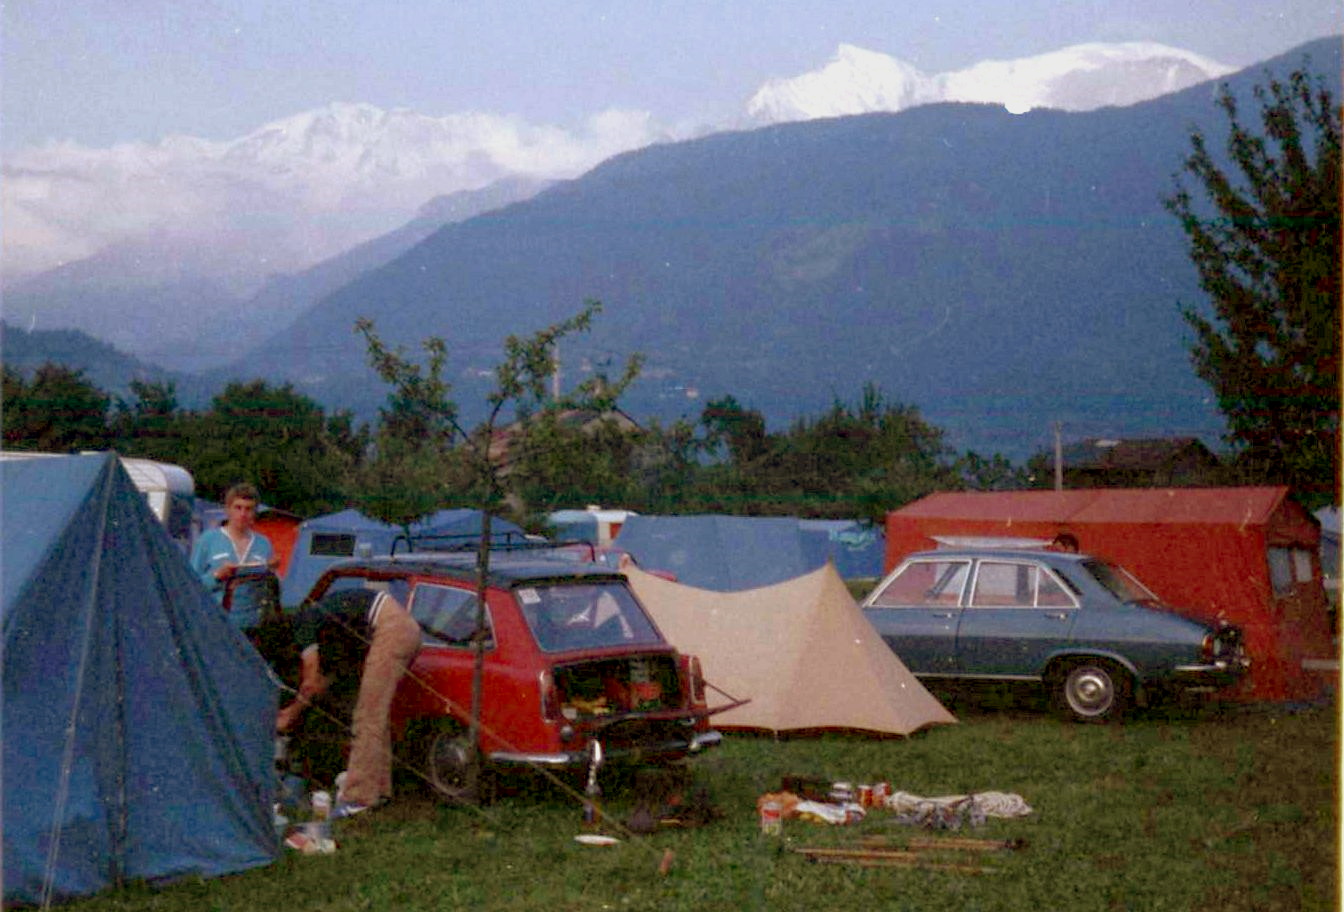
x: 771, y: 819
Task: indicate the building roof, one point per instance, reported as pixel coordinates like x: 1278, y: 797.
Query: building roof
x: 1142, y: 454
x: 1233, y: 506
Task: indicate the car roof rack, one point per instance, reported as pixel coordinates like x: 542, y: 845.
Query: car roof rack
x: 509, y: 541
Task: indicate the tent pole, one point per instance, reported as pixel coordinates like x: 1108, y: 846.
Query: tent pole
x: 72, y: 722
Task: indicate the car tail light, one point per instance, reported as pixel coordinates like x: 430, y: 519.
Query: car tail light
x: 697, y: 681
x: 1225, y: 644
x: 550, y: 697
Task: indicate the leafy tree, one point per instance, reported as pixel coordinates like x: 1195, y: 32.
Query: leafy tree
x: 152, y: 424
x: 58, y: 411
x: 408, y: 474
x: 855, y: 460
x: 732, y: 428
x: 570, y: 459
x: 276, y: 438
x: 1266, y: 244
x: 993, y: 473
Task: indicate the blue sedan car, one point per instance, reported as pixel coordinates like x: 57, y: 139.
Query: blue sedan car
x: 1095, y: 636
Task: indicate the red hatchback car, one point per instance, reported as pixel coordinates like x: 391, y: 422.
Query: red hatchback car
x: 574, y: 668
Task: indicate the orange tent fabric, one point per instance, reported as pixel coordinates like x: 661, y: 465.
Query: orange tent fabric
x: 1205, y: 551
x: 800, y: 650
x: 282, y: 529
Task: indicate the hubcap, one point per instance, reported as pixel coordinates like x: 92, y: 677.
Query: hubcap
x: 447, y: 758
x: 1090, y: 691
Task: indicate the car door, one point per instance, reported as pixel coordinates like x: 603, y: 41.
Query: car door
x: 916, y: 611
x: 442, y: 672
x: 1018, y: 612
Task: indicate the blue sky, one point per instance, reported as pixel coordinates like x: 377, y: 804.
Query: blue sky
x: 99, y: 72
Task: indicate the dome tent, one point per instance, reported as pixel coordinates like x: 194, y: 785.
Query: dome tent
x: 138, y: 724
x: 327, y: 540
x: 800, y: 650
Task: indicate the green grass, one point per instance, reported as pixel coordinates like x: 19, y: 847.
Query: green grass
x: 1203, y: 809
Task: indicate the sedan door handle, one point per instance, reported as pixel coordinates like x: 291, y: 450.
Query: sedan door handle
x: 1057, y: 615
x: 948, y: 615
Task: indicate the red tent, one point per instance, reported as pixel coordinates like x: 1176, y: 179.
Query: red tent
x: 1245, y: 555
x: 282, y: 528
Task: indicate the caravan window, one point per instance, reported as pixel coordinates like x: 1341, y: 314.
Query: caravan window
x: 1302, y: 565
x: 332, y: 544
x: 1281, y: 570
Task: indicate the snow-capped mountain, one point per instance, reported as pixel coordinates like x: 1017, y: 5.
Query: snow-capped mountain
x: 287, y: 195
x: 201, y: 226
x: 1078, y: 78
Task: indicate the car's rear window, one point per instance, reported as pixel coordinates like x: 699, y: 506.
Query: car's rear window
x: 568, y: 616
x: 1118, y: 582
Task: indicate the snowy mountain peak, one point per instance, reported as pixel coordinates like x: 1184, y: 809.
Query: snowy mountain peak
x: 1077, y: 78
x: 855, y: 81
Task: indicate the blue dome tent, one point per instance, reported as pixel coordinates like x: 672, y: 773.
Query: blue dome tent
x: 327, y: 540
x: 138, y: 725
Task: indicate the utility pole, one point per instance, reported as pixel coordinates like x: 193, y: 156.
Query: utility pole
x: 555, y: 374
x: 1059, y: 458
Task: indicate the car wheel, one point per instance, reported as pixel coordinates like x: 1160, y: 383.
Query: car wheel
x: 447, y: 766
x: 1092, y: 690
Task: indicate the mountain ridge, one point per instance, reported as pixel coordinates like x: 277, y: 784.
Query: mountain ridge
x: 763, y: 264
x: 302, y: 188
x: 791, y: 245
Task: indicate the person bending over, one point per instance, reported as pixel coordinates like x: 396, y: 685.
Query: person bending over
x: 366, y: 632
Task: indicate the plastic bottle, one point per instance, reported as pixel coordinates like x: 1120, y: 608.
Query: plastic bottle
x: 592, y: 804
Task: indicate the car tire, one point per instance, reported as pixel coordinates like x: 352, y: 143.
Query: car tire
x: 446, y: 762
x: 1092, y: 690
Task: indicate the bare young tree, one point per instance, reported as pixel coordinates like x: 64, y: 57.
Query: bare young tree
x: 521, y: 389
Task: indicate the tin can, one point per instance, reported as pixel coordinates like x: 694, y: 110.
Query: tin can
x: 321, y: 802
x: 881, y: 792
x: 772, y: 823
x: 866, y: 795
x: 842, y: 792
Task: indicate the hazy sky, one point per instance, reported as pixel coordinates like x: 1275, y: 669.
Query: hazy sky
x: 100, y: 72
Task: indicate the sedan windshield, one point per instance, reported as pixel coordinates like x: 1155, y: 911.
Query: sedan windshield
x: 570, y: 616
x: 1119, y: 582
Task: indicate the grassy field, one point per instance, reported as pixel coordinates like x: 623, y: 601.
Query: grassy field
x: 1206, y: 808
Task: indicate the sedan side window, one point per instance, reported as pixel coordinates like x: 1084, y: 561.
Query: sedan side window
x: 999, y: 584
x: 1050, y: 593
x: 925, y: 584
x: 448, y: 615
x: 1002, y: 585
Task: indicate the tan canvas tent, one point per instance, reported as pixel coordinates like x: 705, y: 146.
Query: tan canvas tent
x: 801, y: 650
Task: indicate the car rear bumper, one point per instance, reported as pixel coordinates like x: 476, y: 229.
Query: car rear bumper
x: 1210, y: 675
x: 664, y: 750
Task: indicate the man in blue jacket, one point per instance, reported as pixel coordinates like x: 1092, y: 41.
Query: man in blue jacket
x: 221, y: 552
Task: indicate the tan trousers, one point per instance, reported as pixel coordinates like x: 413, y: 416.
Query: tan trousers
x: 395, y: 641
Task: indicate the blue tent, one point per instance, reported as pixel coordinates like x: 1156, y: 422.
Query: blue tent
x: 723, y: 553
x: 728, y: 553
x: 326, y: 540
x: 138, y: 725
x: 856, y: 549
